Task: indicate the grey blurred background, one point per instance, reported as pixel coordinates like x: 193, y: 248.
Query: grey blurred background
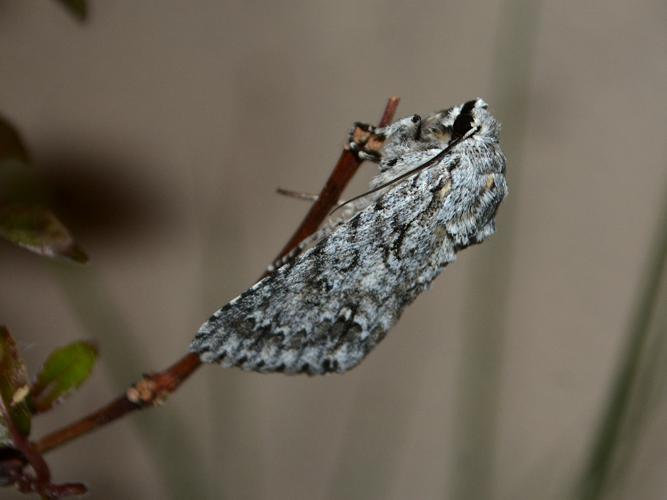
x: 165, y: 127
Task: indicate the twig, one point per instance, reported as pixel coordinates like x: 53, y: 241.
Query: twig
x: 347, y: 166
x: 41, y: 481
x: 43, y: 475
x: 154, y: 389
x: 151, y: 390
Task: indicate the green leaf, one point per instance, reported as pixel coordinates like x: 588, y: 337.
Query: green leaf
x: 11, y: 144
x: 76, y: 7
x: 13, y: 385
x: 63, y: 372
x: 38, y: 230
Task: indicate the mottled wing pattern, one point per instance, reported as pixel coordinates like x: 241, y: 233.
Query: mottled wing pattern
x: 326, y: 310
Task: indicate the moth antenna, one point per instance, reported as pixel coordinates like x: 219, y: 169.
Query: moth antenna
x: 415, y: 170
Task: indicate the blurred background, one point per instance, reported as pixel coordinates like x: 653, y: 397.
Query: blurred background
x: 534, y: 364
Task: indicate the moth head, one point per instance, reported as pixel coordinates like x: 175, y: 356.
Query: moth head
x: 456, y: 122
x: 475, y: 114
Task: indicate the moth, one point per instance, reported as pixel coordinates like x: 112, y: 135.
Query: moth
x: 441, y: 180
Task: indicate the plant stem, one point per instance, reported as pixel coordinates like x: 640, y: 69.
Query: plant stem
x: 149, y: 391
x: 597, y: 474
x: 154, y: 389
x: 347, y: 166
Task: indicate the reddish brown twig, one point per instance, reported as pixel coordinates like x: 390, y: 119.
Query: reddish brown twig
x: 340, y: 177
x: 40, y: 482
x: 151, y: 390
x: 154, y: 389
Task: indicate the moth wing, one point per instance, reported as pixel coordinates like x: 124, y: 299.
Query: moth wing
x: 327, y: 308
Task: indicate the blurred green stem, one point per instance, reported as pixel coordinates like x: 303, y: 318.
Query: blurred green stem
x: 596, y: 476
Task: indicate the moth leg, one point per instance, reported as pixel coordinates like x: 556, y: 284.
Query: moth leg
x: 300, y: 195
x: 297, y: 195
x: 365, y: 142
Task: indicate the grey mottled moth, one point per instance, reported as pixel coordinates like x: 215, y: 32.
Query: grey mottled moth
x: 324, y: 309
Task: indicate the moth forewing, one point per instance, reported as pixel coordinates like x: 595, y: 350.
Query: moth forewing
x: 441, y: 180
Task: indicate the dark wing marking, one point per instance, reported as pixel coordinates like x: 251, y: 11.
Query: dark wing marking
x: 329, y: 307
